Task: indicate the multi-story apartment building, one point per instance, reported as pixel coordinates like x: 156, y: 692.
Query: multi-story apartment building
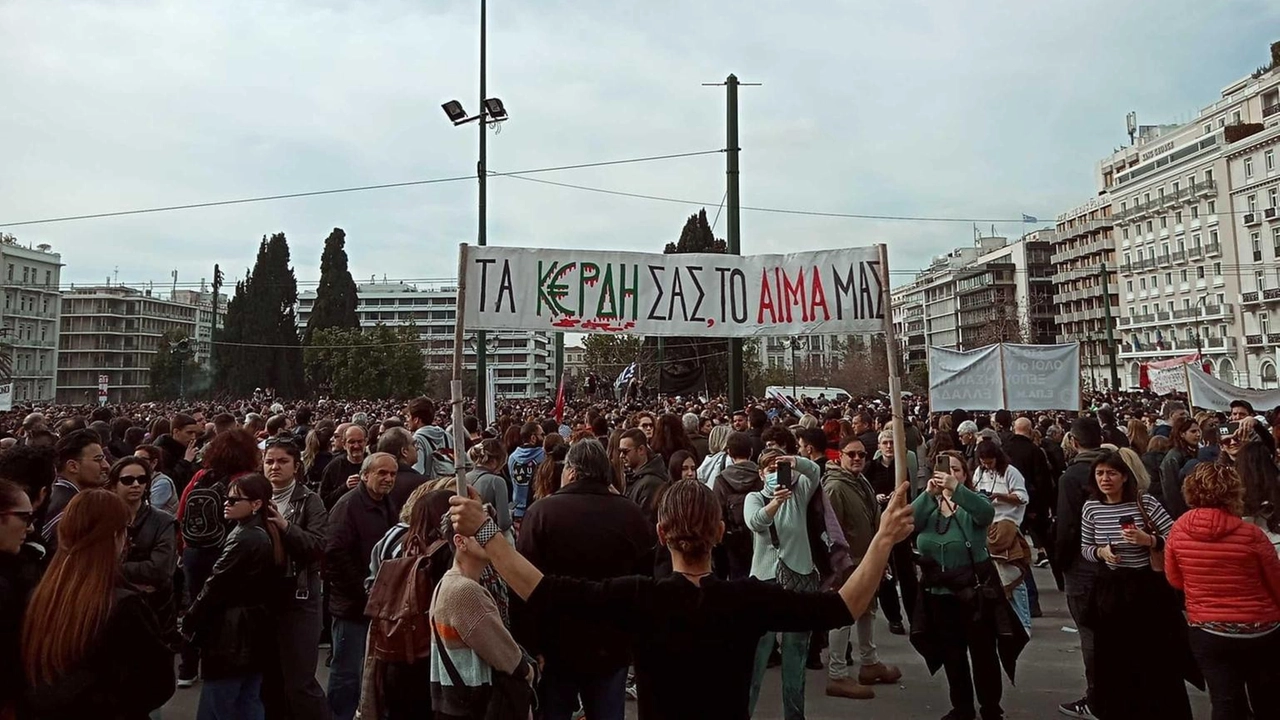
x: 1180, y: 196
x: 114, y: 331
x: 29, y: 324
x: 1082, y: 244
x: 205, y: 317
x: 1253, y: 172
x: 995, y: 291
x: 817, y: 353
x: 522, y: 361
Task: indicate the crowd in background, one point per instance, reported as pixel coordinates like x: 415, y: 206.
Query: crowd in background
x: 245, y: 543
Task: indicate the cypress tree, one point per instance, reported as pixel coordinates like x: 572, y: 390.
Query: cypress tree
x: 335, y: 305
x: 263, y: 349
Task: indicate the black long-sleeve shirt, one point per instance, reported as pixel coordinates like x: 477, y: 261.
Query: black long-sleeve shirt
x: 694, y: 646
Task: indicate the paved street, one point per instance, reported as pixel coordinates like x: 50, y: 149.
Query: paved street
x: 1049, y: 673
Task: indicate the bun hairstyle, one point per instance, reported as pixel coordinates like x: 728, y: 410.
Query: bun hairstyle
x: 689, y: 517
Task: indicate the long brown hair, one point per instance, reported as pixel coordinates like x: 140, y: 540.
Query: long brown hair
x: 70, y: 606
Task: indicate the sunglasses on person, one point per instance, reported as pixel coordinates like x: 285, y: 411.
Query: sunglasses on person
x: 275, y: 441
x: 855, y: 454
x: 233, y: 500
x: 128, y: 480
x: 27, y: 516
x: 646, y: 426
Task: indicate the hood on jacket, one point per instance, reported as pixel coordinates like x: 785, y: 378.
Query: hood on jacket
x: 525, y: 454
x: 1209, y: 524
x: 742, y: 477
x: 436, y: 434
x: 1086, y: 456
x: 656, y: 467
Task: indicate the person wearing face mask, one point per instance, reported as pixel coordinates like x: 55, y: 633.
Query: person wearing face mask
x: 289, y: 686
x: 16, y: 518
x: 777, y: 518
x: 855, y: 506
x: 152, y: 554
x: 91, y: 646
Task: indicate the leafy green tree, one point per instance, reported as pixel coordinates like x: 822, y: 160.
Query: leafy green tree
x: 609, y: 355
x: 174, y: 371
x: 380, y: 362
x: 259, y: 345
x: 336, y: 299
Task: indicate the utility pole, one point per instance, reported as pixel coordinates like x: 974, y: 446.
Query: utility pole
x: 1111, y: 338
x: 213, y: 330
x: 482, y: 362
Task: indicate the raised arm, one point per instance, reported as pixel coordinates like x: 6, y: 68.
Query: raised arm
x: 896, y: 524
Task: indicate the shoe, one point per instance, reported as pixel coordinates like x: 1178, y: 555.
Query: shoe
x: 814, y: 663
x: 958, y: 715
x: 1077, y: 709
x: 897, y: 628
x: 879, y: 674
x: 1043, y: 562
x: 186, y: 682
x: 631, y: 688
x: 1036, y: 612
x: 848, y: 688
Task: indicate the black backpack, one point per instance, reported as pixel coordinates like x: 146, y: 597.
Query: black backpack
x: 203, y: 524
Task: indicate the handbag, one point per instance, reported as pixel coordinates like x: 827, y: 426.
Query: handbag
x: 1157, y: 556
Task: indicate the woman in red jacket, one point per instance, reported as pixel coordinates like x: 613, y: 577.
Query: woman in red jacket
x: 1231, y: 576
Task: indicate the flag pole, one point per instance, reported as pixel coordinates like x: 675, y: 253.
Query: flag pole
x: 461, y: 459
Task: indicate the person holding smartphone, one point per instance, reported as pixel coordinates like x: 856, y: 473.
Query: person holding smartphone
x: 777, y: 518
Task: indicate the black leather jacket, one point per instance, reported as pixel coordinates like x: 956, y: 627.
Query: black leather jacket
x: 151, y: 560
x: 229, y: 616
x: 304, y: 541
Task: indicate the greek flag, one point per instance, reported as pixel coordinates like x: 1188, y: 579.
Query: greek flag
x: 786, y: 403
x: 1029, y: 218
x: 625, y: 376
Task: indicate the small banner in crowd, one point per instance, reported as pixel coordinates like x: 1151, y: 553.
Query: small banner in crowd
x: 6, y: 396
x: 699, y: 295
x: 1005, y: 376
x: 1210, y: 393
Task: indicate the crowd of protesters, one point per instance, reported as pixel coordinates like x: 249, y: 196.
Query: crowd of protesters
x: 667, y: 550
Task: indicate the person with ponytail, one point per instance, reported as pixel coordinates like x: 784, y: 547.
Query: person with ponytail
x: 229, y: 620
x: 91, y: 646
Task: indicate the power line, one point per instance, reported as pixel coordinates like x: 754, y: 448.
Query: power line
x: 337, y: 191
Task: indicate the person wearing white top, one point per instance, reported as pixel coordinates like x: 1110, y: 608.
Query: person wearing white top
x: 1004, y: 485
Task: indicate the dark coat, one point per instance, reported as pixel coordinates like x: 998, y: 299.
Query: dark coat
x: 228, y: 620
x: 701, y: 445
x: 304, y: 544
x: 646, y: 484
x: 151, y: 561
x: 315, y: 472
x: 127, y: 673
x: 1073, y: 490
x: 15, y: 589
x: 1031, y: 461
x: 583, y: 531
x: 356, y: 523
x: 989, y: 600
x: 333, y: 481
x: 176, y: 465
x: 407, y: 480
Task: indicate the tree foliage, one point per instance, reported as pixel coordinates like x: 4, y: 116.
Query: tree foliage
x: 335, y: 305
x: 262, y: 348
x: 380, y: 362
x: 609, y: 355
x: 174, y: 371
x: 863, y: 367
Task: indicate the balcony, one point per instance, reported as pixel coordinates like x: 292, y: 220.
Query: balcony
x: 1205, y: 188
x: 1195, y: 253
x: 1220, y: 343
x: 1179, y: 256
x: 1270, y: 110
x: 1269, y: 213
x: 1213, y: 249
x: 1252, y: 218
x: 1253, y: 340
x: 1162, y: 260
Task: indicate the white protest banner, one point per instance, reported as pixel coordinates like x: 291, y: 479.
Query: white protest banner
x: 699, y: 294
x: 6, y: 396
x: 1210, y: 393
x: 1163, y: 381
x: 1005, y: 377
x: 965, y: 379
x: 1041, y: 377
x: 104, y: 383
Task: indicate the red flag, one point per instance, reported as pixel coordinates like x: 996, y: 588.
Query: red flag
x: 560, y: 402
x: 1144, y: 380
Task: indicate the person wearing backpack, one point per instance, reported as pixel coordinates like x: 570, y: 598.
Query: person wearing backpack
x: 289, y: 687
x: 435, y: 446
x: 778, y: 517
x: 522, y: 465
x: 202, y: 525
x: 495, y: 490
x: 736, y: 481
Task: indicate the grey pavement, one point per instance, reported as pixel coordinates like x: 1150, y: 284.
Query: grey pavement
x: 1049, y: 672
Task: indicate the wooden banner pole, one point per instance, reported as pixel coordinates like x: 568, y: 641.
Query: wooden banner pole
x: 895, y: 381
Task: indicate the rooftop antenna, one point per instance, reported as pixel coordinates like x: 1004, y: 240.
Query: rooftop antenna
x: 1131, y: 122
x: 117, y: 275
x: 175, y: 284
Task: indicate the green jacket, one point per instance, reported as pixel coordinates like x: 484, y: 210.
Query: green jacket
x: 969, y: 524
x: 855, y: 506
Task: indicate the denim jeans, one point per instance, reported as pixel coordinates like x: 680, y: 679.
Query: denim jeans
x: 838, y: 644
x: 233, y: 698
x: 603, y: 695
x: 1022, y: 605
x: 348, y: 665
x: 795, y: 651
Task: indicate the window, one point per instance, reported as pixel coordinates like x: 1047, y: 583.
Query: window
x: 1264, y: 323
x: 1146, y: 198
x: 1275, y: 241
x: 1160, y: 193
x: 1177, y: 218
x: 1248, y: 167
x: 1168, y: 306
x: 1182, y: 275
x: 1222, y: 121
x: 1129, y: 286
x: 10, y: 272
x: 26, y: 275
x: 1208, y: 128
x: 1213, y: 237
x: 1142, y: 283
x: 1271, y: 197
x: 1175, y: 187
x: 1252, y: 201
x: 1208, y: 175
x: 1168, y: 278
x: 1256, y: 242
x: 1235, y: 117
x: 1182, y: 245
x: 1269, y: 160
x: 1155, y: 282
x: 1126, y: 232
x: 1164, y: 222
x: 1200, y: 273
x: 1211, y: 207
x: 48, y: 278
x: 1217, y: 269
x: 1123, y: 206
x: 1195, y: 212
x: 1150, y: 227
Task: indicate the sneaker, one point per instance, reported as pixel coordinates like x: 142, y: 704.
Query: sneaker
x: 1043, y: 562
x: 1077, y: 709
x: 631, y: 688
x: 186, y: 682
x: 897, y: 628
x: 960, y: 715
x: 849, y: 688
x: 879, y: 674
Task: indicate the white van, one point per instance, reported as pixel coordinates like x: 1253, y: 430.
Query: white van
x: 830, y: 393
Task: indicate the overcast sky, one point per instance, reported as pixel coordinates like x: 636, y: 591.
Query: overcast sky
x: 922, y: 108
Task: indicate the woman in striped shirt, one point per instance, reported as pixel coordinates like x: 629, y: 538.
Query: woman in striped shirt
x: 1140, y: 633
